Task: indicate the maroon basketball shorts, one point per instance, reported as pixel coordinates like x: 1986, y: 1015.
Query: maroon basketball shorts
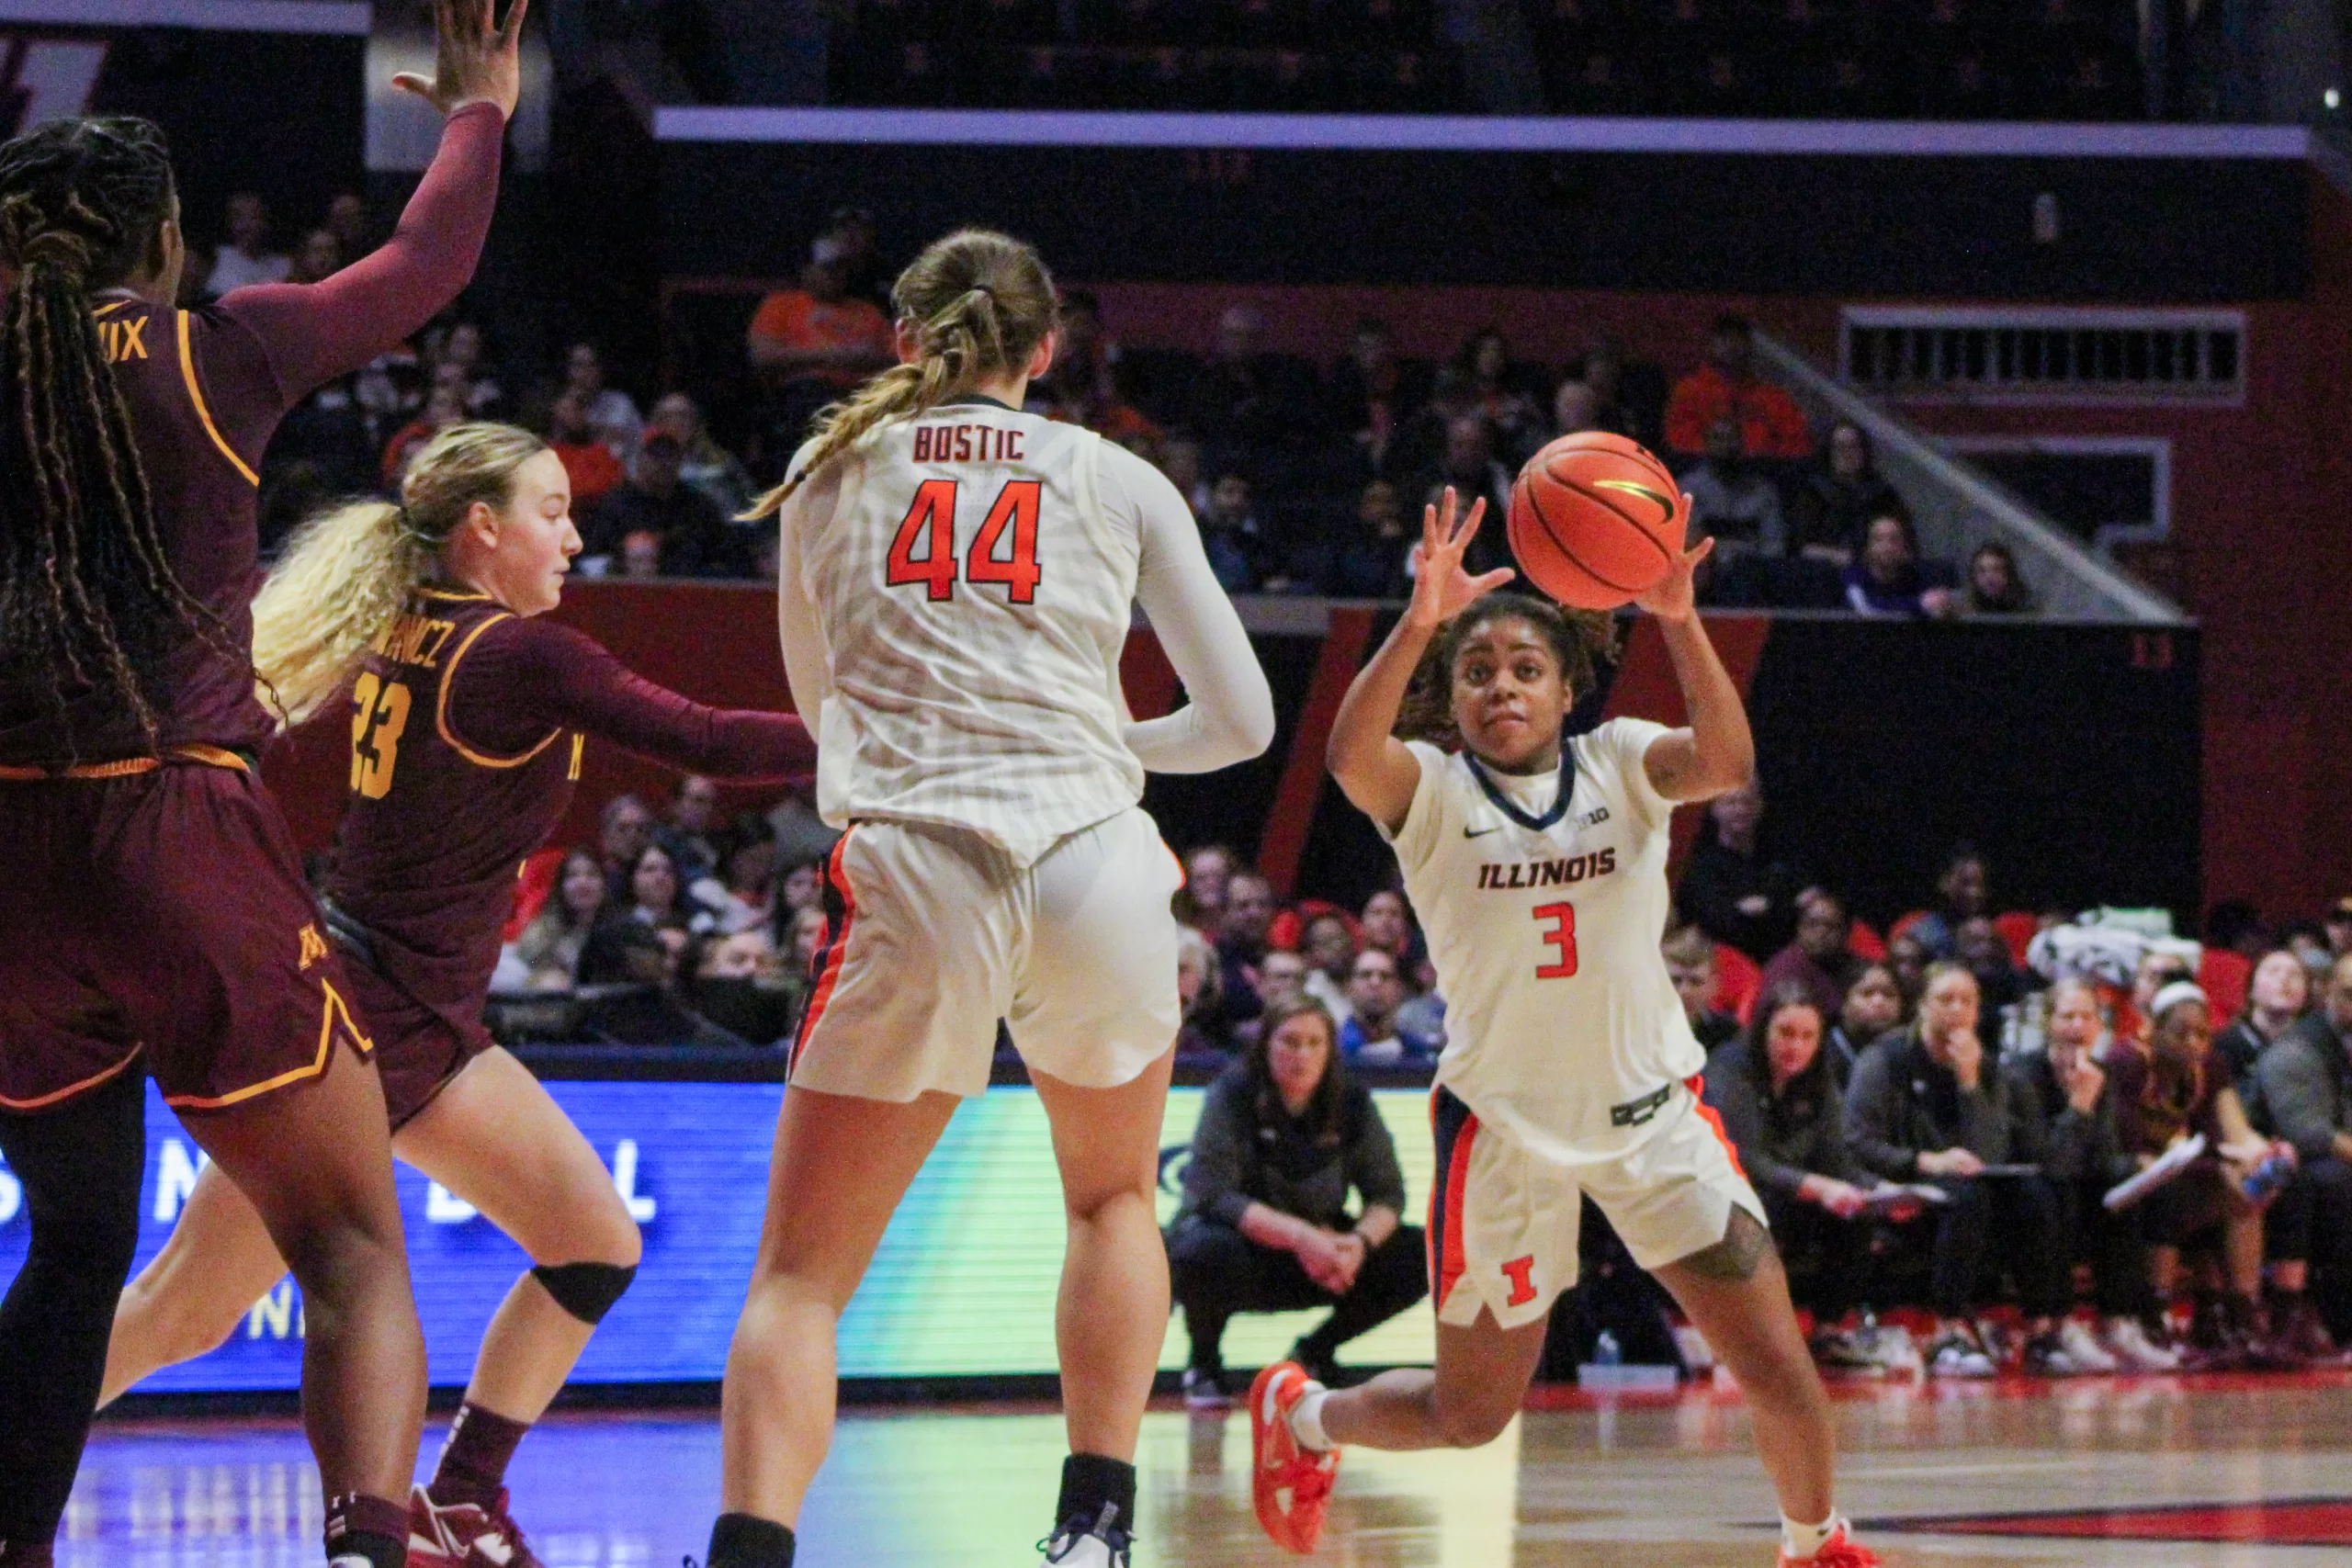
x: 162, y: 911
x: 419, y: 1049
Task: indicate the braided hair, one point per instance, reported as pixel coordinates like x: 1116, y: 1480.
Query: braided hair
x: 88, y: 596
x: 978, y: 304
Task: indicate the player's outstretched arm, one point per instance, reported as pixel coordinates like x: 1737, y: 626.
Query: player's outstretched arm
x: 316, y: 331
x: 523, y: 678
x: 1374, y: 769
x: 1229, y: 716
x: 1717, y: 753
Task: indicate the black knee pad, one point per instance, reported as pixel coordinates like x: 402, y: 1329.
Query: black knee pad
x: 586, y: 1291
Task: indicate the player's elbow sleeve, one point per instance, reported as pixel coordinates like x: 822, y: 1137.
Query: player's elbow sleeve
x: 1254, y: 724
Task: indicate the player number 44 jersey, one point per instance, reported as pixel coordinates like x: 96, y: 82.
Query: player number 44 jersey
x: 974, y: 598
x: 1544, y: 916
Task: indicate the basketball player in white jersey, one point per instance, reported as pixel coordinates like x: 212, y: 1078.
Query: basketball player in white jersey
x: 1539, y: 871
x: 957, y: 577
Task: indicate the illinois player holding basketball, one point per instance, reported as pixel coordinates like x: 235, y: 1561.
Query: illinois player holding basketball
x: 1539, y: 870
x: 470, y: 714
x: 153, y: 919
x: 957, y: 578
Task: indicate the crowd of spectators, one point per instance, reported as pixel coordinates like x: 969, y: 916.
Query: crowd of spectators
x: 1934, y: 1116
x: 1306, y: 478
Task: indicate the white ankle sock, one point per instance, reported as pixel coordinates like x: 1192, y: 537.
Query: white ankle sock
x: 1798, y: 1543
x: 1307, y: 1418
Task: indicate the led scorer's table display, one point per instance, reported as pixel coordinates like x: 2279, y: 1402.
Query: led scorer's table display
x: 963, y: 1284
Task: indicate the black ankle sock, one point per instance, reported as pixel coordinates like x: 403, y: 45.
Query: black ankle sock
x: 1090, y: 1482
x: 372, y: 1529
x: 746, y: 1541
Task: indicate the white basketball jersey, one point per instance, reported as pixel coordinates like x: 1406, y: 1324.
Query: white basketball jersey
x: 1544, y: 919
x: 973, y: 600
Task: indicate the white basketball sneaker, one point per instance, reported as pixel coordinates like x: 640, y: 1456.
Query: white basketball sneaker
x: 1088, y: 1543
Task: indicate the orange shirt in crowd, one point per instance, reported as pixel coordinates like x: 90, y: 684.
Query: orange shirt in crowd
x: 594, y: 472
x: 799, y: 320
x: 1770, y: 423
x: 1108, y: 418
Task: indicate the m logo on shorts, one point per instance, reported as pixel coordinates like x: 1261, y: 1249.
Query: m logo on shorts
x: 1521, y: 1273
x: 315, y: 946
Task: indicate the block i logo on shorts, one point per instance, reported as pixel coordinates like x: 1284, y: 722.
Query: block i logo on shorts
x: 1521, y: 1273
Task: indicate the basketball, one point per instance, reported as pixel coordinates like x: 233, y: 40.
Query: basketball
x: 1595, y: 520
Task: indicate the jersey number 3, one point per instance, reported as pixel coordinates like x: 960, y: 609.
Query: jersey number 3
x: 379, y: 715
x: 931, y: 522
x: 1562, y: 938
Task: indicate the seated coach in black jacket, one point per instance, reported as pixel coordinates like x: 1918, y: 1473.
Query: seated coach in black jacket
x: 1931, y: 1105
x: 1264, y: 1226
x: 1775, y: 1090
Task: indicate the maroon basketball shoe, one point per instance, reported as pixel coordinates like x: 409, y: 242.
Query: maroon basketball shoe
x: 464, y: 1535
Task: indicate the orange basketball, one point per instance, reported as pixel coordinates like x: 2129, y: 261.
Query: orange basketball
x: 1595, y: 520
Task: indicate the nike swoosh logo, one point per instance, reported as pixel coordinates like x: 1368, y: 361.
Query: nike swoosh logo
x: 1627, y: 487
x: 1481, y: 832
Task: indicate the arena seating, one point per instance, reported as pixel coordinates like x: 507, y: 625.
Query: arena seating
x: 1361, y: 55
x: 2056, y: 60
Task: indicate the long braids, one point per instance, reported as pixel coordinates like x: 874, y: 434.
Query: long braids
x: 978, y: 304
x: 1582, y: 640
x: 87, y: 593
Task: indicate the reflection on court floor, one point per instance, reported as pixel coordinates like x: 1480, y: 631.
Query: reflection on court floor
x: 2162, y: 1474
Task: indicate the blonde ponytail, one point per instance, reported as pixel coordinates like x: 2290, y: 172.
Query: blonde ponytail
x: 347, y: 574
x: 343, y: 579
x: 979, y: 303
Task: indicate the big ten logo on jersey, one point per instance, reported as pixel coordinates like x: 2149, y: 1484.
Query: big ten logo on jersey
x: 967, y: 444
x: 43, y: 79
x: 1505, y: 877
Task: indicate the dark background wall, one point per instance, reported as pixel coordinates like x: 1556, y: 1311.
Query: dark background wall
x: 2132, y: 229
x: 272, y: 112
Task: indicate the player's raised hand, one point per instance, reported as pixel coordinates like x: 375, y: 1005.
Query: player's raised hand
x: 1676, y: 595
x: 1441, y: 588
x: 480, y: 61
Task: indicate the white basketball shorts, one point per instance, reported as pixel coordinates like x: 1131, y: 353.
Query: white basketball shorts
x: 932, y: 934
x: 1502, y: 1230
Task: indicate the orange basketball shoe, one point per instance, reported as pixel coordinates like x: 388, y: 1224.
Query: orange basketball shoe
x: 1839, y: 1552
x: 1290, y: 1483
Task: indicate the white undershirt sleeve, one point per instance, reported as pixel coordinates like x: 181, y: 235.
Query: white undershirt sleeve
x: 808, y: 664
x: 1229, y: 716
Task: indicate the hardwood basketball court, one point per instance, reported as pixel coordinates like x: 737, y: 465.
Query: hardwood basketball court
x: 2177, y: 1472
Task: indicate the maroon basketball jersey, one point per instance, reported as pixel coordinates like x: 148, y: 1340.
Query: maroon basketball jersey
x: 436, y: 824
x: 206, y: 390
x: 467, y: 727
